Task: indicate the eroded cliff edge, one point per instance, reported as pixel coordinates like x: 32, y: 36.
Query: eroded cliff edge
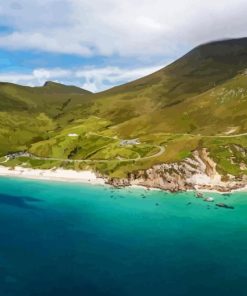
x: 195, y: 173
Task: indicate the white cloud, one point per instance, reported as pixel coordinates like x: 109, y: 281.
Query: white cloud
x: 36, y: 77
x: 93, y: 79
x: 102, y: 78
x: 42, y: 74
x: 42, y: 42
x: 127, y: 28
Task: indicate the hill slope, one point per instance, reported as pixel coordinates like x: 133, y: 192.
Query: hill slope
x: 17, y: 97
x: 28, y: 113
x: 168, y: 99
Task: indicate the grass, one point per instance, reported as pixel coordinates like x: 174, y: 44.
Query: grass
x: 225, y: 154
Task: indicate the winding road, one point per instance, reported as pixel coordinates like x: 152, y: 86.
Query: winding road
x: 216, y: 136
x: 5, y: 160
x: 139, y: 158
x: 161, y: 151
x: 228, y: 136
x: 161, y: 148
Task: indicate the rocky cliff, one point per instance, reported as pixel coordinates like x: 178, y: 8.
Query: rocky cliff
x: 197, y: 172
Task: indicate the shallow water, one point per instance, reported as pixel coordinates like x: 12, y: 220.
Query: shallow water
x: 68, y: 239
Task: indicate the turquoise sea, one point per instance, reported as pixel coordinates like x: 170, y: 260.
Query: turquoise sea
x: 64, y: 239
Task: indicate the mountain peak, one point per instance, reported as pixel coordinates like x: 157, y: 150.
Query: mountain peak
x: 222, y: 48
x: 59, y: 87
x: 52, y: 83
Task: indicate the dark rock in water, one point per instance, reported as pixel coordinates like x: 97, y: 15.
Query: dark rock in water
x: 199, y: 195
x: 189, y: 203
x: 223, y: 205
x: 157, y: 204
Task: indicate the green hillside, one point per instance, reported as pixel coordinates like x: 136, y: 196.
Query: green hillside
x: 53, y: 95
x: 161, y: 101
x: 198, y: 101
x: 27, y: 114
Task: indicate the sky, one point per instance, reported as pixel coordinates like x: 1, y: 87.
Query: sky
x: 97, y: 44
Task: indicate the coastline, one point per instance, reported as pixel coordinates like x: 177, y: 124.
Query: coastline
x: 62, y: 175
x: 90, y: 177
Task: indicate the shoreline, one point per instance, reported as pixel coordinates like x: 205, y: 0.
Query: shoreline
x: 59, y: 174
x: 90, y: 177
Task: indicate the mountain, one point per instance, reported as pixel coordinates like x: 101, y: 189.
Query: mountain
x: 172, y: 99
x: 198, y: 102
x: 17, y: 97
x: 54, y: 87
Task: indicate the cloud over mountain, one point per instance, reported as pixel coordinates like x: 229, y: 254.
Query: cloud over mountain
x: 93, y: 79
x: 115, y: 27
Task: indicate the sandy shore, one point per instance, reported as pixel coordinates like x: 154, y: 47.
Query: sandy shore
x: 90, y: 177
x: 53, y: 175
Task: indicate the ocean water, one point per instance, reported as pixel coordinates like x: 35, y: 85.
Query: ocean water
x: 64, y: 239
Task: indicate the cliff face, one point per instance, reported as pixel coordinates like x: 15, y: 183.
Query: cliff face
x: 197, y: 172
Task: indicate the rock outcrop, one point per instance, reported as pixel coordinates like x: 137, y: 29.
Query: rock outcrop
x: 196, y: 172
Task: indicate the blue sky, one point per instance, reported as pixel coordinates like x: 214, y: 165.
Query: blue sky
x: 102, y: 43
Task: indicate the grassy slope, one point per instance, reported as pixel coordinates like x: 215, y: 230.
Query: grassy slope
x: 27, y: 114
x: 48, y: 98
x: 178, y: 97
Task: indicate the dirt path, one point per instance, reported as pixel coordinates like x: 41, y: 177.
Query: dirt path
x: 216, y: 136
x: 6, y: 160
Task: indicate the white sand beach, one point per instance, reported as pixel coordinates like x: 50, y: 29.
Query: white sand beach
x: 53, y: 174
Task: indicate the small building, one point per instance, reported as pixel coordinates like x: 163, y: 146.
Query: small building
x: 130, y: 142
x: 18, y: 154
